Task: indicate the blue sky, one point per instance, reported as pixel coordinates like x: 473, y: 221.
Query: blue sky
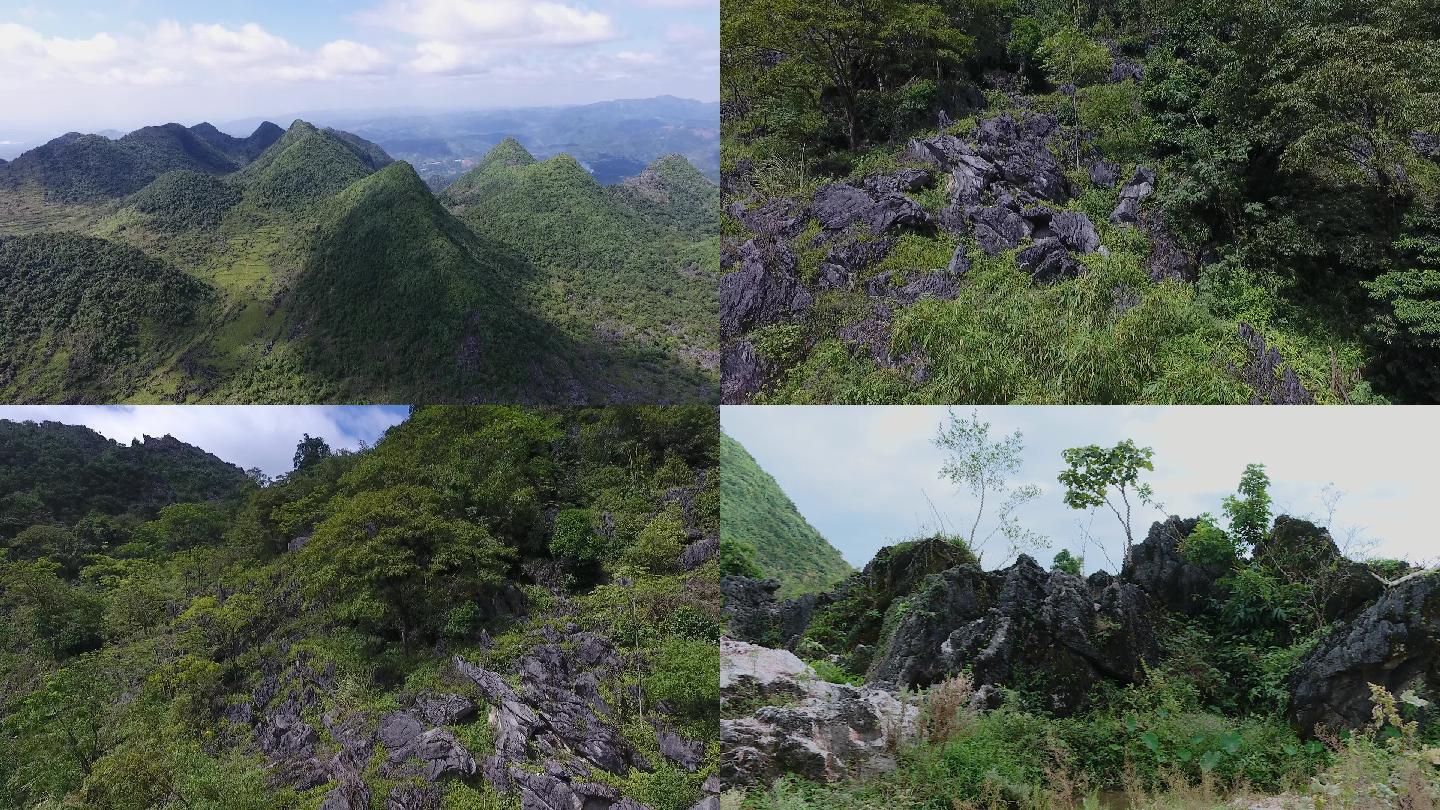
x: 862, y: 475
x: 90, y: 65
x: 261, y: 436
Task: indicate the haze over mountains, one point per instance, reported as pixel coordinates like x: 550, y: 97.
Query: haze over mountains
x: 306, y: 265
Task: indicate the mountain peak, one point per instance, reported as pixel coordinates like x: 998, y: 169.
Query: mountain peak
x: 508, y: 152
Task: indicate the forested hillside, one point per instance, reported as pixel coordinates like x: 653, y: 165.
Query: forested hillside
x: 304, y: 265
x: 764, y: 536
x: 490, y: 607
x: 1105, y: 201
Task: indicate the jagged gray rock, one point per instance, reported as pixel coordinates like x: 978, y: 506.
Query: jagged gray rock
x: 823, y: 731
x: 1394, y: 643
x: 1052, y: 626
x: 1156, y: 565
x: 743, y: 372
x: 752, y: 612
x: 763, y: 291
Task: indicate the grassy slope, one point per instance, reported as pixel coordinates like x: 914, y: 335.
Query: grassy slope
x: 1111, y: 336
x: 756, y: 512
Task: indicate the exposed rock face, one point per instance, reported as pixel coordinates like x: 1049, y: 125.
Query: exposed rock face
x: 743, y: 372
x: 752, y: 612
x: 1300, y: 551
x: 1274, y: 380
x: 840, y: 205
x: 299, y: 760
x: 1140, y: 186
x: 1047, y: 626
x: 555, y: 731
x: 764, y: 290
x: 1172, y: 581
x: 823, y: 731
x: 1394, y: 643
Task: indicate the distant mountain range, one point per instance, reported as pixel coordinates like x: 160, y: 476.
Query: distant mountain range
x: 306, y: 265
x: 613, y: 140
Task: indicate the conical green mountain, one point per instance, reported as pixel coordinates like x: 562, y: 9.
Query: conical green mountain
x: 673, y: 191
x: 602, y: 261
x: 754, y: 511
x: 402, y: 300
x: 306, y: 165
x: 307, y: 266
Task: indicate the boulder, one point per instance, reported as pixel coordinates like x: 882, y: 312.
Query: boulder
x: 1051, y: 628
x: 1394, y: 643
x: 896, y: 211
x: 907, y: 180
x: 846, y: 260
x: 438, y: 753
x: 1103, y: 173
x: 444, y: 710
x: 1076, y: 231
x: 823, y: 731
x: 698, y: 553
x: 743, y: 372
x: 1048, y: 261
x: 997, y: 228
x: 943, y: 151
x: 1140, y: 186
x: 763, y: 291
x: 1157, y: 567
x: 779, y: 218
x: 1273, y: 380
x: 840, y: 205
x: 688, y: 754
x: 752, y: 612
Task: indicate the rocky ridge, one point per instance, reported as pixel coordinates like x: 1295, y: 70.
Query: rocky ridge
x: 1062, y: 634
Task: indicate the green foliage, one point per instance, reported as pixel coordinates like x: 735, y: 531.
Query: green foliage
x: 182, y: 200
x: 1092, y: 473
x: 757, y: 515
x: 1068, y: 563
x: 1210, y: 545
x: 984, y: 466
x: 1250, y: 513
x: 374, y: 567
x: 1071, y: 57
x: 738, y: 560
x: 310, y: 451
x: 575, y: 537
x: 89, y: 320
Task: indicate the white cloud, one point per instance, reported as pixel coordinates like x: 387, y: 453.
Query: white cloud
x: 494, y: 22
x: 254, y: 436
x: 171, y: 53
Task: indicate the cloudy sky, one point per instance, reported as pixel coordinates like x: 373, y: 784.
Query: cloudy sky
x: 261, y: 436
x: 862, y: 475
x: 89, y: 65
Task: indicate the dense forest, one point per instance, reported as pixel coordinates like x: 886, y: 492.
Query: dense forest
x: 1239, y: 659
x: 304, y: 265
x: 1094, y: 201
x: 490, y: 608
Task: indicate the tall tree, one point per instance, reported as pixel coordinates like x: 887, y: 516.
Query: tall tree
x: 1096, y: 476
x: 984, y: 466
